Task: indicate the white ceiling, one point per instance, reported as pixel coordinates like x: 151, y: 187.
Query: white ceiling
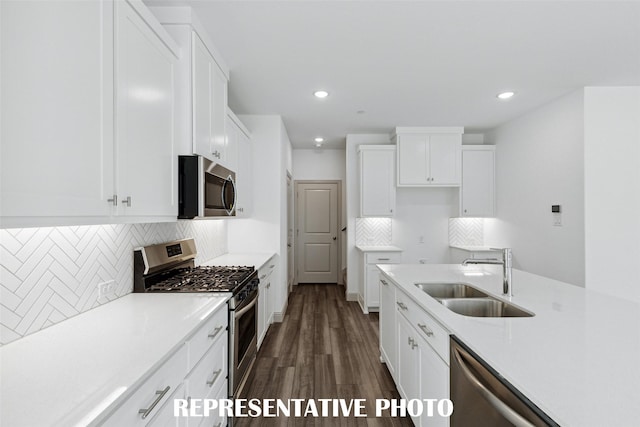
x: 414, y: 63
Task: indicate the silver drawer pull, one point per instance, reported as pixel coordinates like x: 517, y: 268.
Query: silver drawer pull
x: 145, y: 412
x: 216, y: 374
x: 410, y: 341
x: 426, y: 330
x: 401, y: 305
x: 263, y: 276
x: 215, y: 333
x: 384, y: 282
x: 384, y: 259
x: 272, y: 265
x: 413, y: 345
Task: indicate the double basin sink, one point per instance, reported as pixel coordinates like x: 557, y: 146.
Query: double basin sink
x: 467, y: 300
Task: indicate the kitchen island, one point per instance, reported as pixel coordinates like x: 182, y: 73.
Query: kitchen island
x: 576, y: 359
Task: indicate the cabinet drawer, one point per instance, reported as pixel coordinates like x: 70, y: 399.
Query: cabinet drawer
x: 383, y: 257
x: 210, y: 372
x: 434, y: 333
x: 214, y: 330
x: 152, y: 394
x: 266, y: 270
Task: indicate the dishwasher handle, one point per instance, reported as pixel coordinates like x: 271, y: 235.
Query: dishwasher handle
x: 504, y: 409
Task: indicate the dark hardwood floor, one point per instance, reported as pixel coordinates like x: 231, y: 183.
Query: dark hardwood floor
x: 324, y: 349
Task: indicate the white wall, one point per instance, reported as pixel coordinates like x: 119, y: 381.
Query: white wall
x: 324, y: 165
x: 539, y: 163
x: 266, y: 230
x: 424, y: 213
x: 612, y: 190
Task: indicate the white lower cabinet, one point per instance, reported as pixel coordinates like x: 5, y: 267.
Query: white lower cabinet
x: 197, y: 370
x: 388, y: 344
x: 153, y: 394
x: 422, y: 369
x: 370, y: 291
x: 265, y: 312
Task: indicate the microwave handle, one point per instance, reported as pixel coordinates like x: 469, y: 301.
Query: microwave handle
x: 224, y: 201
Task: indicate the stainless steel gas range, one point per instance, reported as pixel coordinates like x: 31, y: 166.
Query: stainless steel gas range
x: 170, y: 267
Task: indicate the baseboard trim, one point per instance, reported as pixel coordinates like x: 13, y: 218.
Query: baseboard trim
x: 278, y: 316
x: 352, y: 296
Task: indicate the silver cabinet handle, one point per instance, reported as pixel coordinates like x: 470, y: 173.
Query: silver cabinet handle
x: 127, y: 201
x: 216, y: 374
x: 384, y: 282
x: 216, y: 331
x: 268, y: 285
x: 263, y: 276
x: 410, y: 341
x: 401, y: 305
x: 145, y: 412
x: 384, y: 259
x: 272, y: 265
x: 413, y: 345
x: 113, y: 200
x: 426, y: 330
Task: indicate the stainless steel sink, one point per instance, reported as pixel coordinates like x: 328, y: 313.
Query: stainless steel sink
x: 450, y: 290
x: 484, y: 307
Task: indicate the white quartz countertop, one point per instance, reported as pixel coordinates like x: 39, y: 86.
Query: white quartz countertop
x: 256, y: 260
x: 578, y: 358
x: 378, y: 248
x: 69, y: 373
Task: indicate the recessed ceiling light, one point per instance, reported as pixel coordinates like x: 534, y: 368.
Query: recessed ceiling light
x: 505, y: 95
x: 319, y: 139
x: 321, y: 93
x: 318, y: 144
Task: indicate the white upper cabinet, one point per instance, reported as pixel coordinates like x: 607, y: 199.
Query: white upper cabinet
x: 428, y: 156
x: 57, y: 110
x: 377, y: 180
x: 477, y: 195
x: 209, y: 104
x: 145, y: 115
x: 65, y: 157
x: 202, y: 80
x: 240, y: 159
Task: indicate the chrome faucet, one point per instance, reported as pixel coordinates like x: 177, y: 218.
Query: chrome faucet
x: 506, y: 263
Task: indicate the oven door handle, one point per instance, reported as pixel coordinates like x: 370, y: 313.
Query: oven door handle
x: 239, y: 313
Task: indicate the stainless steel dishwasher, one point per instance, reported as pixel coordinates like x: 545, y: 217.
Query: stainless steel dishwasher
x: 481, y: 397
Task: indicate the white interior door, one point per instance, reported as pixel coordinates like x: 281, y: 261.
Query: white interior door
x: 317, y: 232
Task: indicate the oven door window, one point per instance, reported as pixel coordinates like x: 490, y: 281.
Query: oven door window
x: 246, y: 330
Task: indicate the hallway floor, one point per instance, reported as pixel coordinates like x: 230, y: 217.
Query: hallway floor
x: 325, y: 348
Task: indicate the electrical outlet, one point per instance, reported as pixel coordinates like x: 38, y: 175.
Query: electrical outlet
x: 557, y: 219
x: 107, y: 289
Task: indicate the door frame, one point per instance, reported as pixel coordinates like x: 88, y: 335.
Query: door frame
x: 339, y: 226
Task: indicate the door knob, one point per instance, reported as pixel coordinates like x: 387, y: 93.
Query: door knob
x: 334, y: 238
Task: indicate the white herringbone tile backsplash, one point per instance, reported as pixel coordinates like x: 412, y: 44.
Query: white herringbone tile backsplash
x: 50, y: 274
x: 466, y: 231
x: 373, y: 231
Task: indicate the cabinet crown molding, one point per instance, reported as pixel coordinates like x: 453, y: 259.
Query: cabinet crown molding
x: 428, y: 129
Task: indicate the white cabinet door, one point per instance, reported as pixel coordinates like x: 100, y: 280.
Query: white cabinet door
x: 413, y: 159
x: 164, y: 417
x: 377, y: 180
x: 231, y: 144
x: 444, y: 157
x: 244, y: 177
x: 146, y: 162
x: 408, y: 360
x: 373, y: 286
x: 209, y: 103
x: 202, y: 102
x: 429, y: 159
x: 387, y: 323
x: 219, y: 115
x: 478, y: 181
x: 434, y: 382
x: 56, y: 156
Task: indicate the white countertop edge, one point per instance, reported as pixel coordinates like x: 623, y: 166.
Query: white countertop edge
x: 389, y: 248
x: 474, y: 248
x: 252, y: 259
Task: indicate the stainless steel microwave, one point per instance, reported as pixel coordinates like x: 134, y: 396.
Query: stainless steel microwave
x: 205, y: 189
